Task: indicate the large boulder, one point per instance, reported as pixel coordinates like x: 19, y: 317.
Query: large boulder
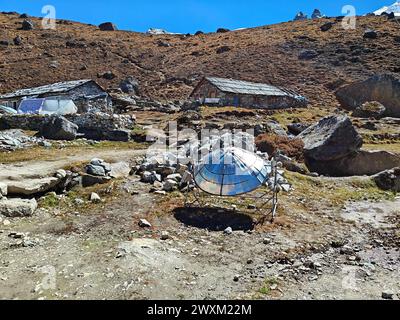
x: 27, y: 25
x: 388, y: 180
x: 382, y: 88
x: 300, y: 16
x: 356, y: 164
x: 317, y: 14
x: 17, y: 207
x: 108, y: 26
x: 36, y: 184
x: 58, y: 128
x: 331, y: 138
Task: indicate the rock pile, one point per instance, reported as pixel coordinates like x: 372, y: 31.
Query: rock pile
x: 165, y: 176
x: 300, y: 16
x: 11, y: 140
x: 91, y: 125
x: 99, y: 172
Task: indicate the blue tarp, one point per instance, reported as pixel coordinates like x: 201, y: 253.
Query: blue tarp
x: 30, y: 106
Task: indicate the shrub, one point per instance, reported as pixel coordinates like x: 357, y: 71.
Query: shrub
x: 271, y: 143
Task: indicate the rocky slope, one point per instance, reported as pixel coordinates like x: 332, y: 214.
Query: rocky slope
x: 295, y: 54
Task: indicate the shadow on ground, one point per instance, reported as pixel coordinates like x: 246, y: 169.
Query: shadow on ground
x: 214, y: 219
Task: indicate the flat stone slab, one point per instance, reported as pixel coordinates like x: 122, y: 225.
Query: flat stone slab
x: 17, y: 207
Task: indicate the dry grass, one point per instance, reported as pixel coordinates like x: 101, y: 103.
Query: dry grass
x: 41, y: 153
x: 271, y: 143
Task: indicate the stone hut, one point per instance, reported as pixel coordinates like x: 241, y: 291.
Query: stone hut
x: 86, y: 94
x: 228, y: 92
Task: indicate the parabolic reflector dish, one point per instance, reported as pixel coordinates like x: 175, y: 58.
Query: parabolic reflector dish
x: 230, y: 172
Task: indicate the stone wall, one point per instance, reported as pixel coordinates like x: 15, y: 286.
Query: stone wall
x: 98, y: 126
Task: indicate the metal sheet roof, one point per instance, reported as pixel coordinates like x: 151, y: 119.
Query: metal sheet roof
x: 251, y: 88
x: 58, y: 87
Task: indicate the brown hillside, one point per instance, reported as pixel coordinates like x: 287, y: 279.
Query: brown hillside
x: 265, y: 54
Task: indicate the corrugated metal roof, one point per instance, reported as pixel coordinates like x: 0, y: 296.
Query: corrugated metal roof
x: 50, y: 88
x: 251, y: 88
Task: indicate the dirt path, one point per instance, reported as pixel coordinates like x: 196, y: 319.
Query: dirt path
x: 42, y: 168
x: 102, y: 253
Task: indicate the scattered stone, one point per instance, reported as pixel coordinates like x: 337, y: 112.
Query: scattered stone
x: 387, y: 295
x: 120, y: 170
x: 170, y: 185
x: 160, y: 192
x: 164, y: 235
x: 326, y: 26
x: 27, y: 25
x: 79, y: 202
x: 223, y: 49
x: 108, y: 75
x: 300, y: 16
x: 249, y: 261
x: 317, y: 14
x: 388, y: 180
x: 307, y: 54
x: 251, y: 207
x: 88, y: 180
x: 267, y: 241
x: 370, y: 34
x: 228, y: 231
x: 236, y: 278
x: 222, y: 30
x: 108, y: 26
x: 15, y: 207
x: 274, y: 286
x: 4, y: 43
x: 6, y: 222
x: 143, y: 223
x: 16, y: 235
x: 94, y: 198
x: 297, y: 128
x: 150, y: 177
x: 129, y: 85
x: 175, y: 176
x: 3, y: 189
x: 45, y: 144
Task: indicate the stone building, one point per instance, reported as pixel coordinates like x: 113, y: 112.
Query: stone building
x: 86, y: 94
x: 228, y: 92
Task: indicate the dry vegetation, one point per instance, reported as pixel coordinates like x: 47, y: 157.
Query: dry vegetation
x: 272, y: 143
x: 265, y: 54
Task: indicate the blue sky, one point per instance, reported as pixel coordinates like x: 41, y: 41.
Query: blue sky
x: 185, y: 16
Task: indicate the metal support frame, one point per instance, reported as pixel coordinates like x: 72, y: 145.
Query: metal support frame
x: 272, y: 194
